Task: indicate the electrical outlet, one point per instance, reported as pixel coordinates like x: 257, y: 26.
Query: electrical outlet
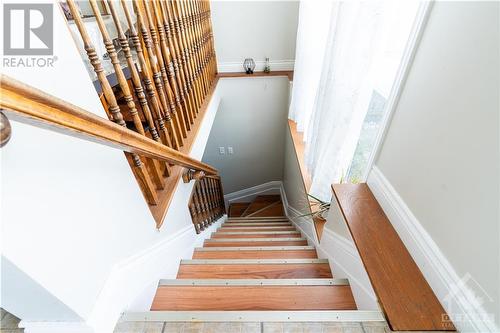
x: 222, y: 150
x: 230, y: 150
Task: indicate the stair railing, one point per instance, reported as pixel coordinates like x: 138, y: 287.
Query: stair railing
x: 206, y: 204
x: 27, y: 104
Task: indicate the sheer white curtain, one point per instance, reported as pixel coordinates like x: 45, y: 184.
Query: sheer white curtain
x: 336, y: 72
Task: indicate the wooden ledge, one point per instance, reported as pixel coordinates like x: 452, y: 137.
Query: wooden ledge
x: 298, y: 143
x: 257, y: 74
x: 402, y: 291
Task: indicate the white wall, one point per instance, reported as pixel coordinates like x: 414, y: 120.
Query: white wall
x: 72, y: 212
x: 441, y: 152
x: 336, y: 244
x: 251, y: 119
x: 254, y: 29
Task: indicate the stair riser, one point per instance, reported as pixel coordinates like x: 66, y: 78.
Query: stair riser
x: 256, y: 224
x: 256, y: 254
x: 256, y: 243
x: 258, y: 229
x: 223, y: 235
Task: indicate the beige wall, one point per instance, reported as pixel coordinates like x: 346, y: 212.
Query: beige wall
x: 441, y: 152
x: 251, y: 119
x: 254, y: 29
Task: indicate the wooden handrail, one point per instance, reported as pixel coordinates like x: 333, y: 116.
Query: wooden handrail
x: 27, y: 104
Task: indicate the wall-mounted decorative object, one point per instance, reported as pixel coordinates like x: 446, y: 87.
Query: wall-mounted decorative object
x: 267, y: 66
x: 249, y: 65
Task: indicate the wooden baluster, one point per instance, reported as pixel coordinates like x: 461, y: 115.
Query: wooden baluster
x: 205, y: 44
x: 188, y: 88
x: 153, y: 166
x: 205, y: 202
x: 221, y: 190
x: 199, y: 207
x: 191, y: 48
x: 210, y: 36
x: 156, y: 50
x: 180, y: 25
x: 210, y: 198
x: 147, y: 79
x: 217, y: 197
x: 201, y: 40
x: 178, y: 74
x: 209, y: 201
x: 208, y: 23
x: 202, y: 204
x: 157, y: 77
x: 167, y: 57
x: 194, y: 213
x: 139, y: 169
x: 136, y: 79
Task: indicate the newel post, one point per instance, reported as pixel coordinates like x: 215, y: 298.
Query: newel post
x: 189, y: 175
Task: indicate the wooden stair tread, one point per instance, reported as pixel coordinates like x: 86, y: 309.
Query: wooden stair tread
x: 275, y: 209
x: 254, y: 271
x: 253, y: 298
x: 247, y: 229
x: 237, y: 208
x: 403, y: 293
x: 257, y: 234
x: 255, y: 263
x: 256, y: 254
x: 233, y: 243
x: 256, y: 224
x: 261, y: 202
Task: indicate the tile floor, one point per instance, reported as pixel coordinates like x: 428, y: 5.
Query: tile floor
x: 225, y: 327
x: 9, y: 323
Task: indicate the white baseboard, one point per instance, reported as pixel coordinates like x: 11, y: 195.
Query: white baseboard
x: 343, y: 258
x: 55, y: 327
x: 138, y: 272
x: 249, y: 193
x: 276, y: 65
x: 346, y: 263
x: 456, y: 297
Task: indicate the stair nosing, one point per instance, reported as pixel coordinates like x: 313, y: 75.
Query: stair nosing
x: 260, y: 227
x: 253, y: 282
x: 257, y: 248
x: 258, y: 232
x: 258, y: 316
x: 252, y: 261
x: 257, y: 224
x: 226, y: 240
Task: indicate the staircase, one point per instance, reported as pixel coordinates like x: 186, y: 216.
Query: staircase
x: 256, y: 267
